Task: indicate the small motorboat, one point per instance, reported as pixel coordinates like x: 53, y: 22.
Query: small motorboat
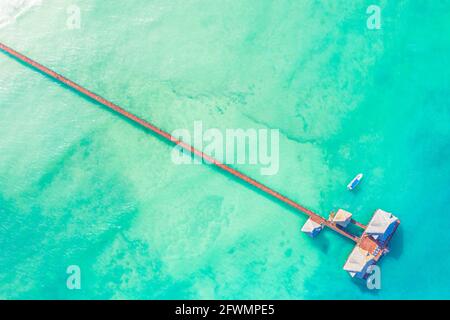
x: 352, y: 185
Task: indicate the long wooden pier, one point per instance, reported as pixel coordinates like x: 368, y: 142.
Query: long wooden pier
x: 108, y: 104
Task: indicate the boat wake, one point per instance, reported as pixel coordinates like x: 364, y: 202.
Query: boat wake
x: 10, y: 10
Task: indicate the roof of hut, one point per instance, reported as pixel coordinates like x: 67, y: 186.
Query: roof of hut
x: 358, y: 260
x: 342, y: 216
x: 310, y: 226
x: 380, y: 222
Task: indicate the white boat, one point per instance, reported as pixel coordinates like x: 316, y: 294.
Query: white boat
x: 352, y: 185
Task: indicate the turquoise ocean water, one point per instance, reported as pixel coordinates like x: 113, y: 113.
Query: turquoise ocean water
x: 80, y: 186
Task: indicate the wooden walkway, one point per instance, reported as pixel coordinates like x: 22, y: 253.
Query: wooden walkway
x: 108, y: 104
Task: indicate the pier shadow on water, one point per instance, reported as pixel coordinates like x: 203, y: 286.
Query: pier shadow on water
x: 397, y: 243
x: 320, y: 242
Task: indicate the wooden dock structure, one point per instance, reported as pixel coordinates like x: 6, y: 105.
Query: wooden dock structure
x: 171, y: 139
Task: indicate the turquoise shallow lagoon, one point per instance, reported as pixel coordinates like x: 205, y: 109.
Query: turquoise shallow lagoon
x: 80, y: 186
